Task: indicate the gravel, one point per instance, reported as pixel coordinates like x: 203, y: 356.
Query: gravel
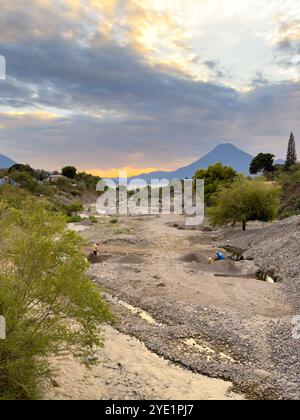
x: 275, y: 250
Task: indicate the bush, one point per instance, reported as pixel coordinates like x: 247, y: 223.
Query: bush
x: 49, y: 303
x: 245, y: 200
x: 13, y: 196
x: 74, y: 219
x: 72, y: 208
x: 25, y: 180
x: 290, y: 201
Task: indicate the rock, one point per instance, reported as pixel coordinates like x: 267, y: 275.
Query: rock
x: 86, y: 222
x: 262, y: 374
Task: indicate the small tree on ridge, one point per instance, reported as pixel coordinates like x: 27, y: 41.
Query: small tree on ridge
x: 291, y: 157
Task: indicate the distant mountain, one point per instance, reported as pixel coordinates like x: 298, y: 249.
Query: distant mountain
x: 6, y: 162
x: 227, y: 154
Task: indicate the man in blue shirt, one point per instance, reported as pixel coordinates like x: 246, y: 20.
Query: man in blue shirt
x: 220, y: 256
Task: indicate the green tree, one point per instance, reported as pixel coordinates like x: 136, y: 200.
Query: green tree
x: 215, y: 177
x: 262, y: 163
x: 49, y: 303
x: 291, y: 157
x: 19, y: 167
x: 69, y: 172
x: 243, y: 201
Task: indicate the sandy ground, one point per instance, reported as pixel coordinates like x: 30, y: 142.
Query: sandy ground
x: 211, y: 319
x: 127, y: 370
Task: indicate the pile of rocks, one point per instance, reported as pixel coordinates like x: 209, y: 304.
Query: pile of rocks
x: 275, y: 249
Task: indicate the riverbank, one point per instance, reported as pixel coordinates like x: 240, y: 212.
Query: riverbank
x: 216, y: 320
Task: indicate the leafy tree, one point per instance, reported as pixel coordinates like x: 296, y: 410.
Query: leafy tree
x: 262, y: 163
x: 291, y: 157
x: 215, y: 177
x: 19, y: 167
x: 243, y: 201
x: 49, y: 303
x: 69, y: 172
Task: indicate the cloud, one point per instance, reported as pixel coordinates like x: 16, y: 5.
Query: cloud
x: 258, y: 121
x: 107, y: 84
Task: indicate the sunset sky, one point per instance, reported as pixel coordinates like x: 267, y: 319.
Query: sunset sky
x: 146, y: 84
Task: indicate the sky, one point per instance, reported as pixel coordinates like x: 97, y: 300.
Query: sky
x: 146, y: 84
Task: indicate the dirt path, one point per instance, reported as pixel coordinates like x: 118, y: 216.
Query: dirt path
x: 212, y: 319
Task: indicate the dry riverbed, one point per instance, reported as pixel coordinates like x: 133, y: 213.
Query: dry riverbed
x: 128, y: 370
x: 186, y: 329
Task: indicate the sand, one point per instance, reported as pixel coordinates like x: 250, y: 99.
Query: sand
x: 127, y: 370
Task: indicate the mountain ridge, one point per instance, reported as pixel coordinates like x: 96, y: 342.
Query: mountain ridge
x: 6, y: 162
x: 225, y: 153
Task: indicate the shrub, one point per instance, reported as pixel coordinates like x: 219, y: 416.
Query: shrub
x: 74, y: 219
x: 72, y: 208
x: 49, y: 303
x: 290, y: 200
x: 13, y: 196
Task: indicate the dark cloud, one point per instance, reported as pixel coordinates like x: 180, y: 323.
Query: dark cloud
x: 212, y: 65
x: 104, y: 74
x: 123, y: 111
x: 259, y: 80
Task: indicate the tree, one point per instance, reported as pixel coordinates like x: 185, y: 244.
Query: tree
x: 69, y: 172
x: 49, y: 303
x: 215, y: 176
x: 19, y: 167
x: 245, y: 200
x: 291, y: 157
x: 263, y: 162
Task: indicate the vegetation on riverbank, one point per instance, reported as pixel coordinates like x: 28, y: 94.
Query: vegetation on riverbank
x: 274, y: 192
x: 47, y: 299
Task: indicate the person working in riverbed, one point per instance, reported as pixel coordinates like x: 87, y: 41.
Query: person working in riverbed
x: 96, y: 249
x: 219, y: 256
